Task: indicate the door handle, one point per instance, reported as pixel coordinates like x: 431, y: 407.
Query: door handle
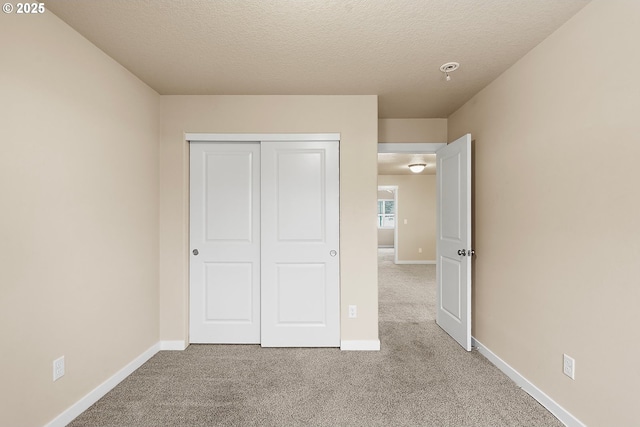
x: 463, y: 252
x: 195, y: 252
x: 333, y: 252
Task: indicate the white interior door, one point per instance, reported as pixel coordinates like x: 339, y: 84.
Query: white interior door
x: 453, y: 241
x: 300, y: 242
x: 225, y: 242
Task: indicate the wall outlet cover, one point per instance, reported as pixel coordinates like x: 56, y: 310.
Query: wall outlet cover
x: 58, y: 368
x: 353, y: 311
x: 569, y: 366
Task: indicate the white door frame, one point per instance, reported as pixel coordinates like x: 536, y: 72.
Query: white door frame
x: 257, y: 138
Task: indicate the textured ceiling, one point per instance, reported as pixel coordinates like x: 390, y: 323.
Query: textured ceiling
x: 390, y: 48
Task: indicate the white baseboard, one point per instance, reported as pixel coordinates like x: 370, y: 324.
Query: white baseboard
x: 363, y: 345
x: 558, y: 411
x: 415, y: 262
x: 83, y: 404
x: 173, y: 345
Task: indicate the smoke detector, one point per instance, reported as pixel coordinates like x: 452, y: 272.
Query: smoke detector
x: 449, y: 67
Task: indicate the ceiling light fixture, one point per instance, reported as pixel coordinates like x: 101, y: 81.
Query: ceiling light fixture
x: 449, y: 67
x: 417, y: 167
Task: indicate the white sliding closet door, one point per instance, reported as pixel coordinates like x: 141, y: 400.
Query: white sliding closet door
x: 300, y: 290
x: 225, y: 243
x: 265, y: 239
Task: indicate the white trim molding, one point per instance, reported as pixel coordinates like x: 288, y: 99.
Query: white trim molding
x: 97, y: 393
x: 173, y: 345
x: 552, y: 406
x: 360, y: 345
x: 416, y: 262
x: 257, y: 137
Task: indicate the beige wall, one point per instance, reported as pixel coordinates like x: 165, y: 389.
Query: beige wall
x: 79, y: 227
x: 385, y: 237
x: 556, y: 216
x: 416, y: 204
x: 355, y: 117
x: 557, y: 213
x: 412, y: 130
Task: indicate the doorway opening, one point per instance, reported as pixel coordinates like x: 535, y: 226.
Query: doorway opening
x: 412, y: 196
x: 406, y: 243
x: 452, y: 232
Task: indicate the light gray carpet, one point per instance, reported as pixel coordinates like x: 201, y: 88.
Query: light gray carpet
x: 419, y: 378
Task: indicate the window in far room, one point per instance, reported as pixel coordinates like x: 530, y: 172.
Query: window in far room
x: 386, y: 214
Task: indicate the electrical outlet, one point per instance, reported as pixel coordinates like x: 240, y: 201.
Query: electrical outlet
x: 569, y: 366
x: 405, y: 222
x: 419, y: 250
x: 353, y: 311
x: 58, y: 368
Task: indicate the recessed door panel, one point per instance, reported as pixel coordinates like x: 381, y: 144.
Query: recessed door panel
x: 229, y: 292
x: 300, y: 195
x: 301, y: 295
x: 450, y: 295
x: 450, y: 173
x: 228, y: 192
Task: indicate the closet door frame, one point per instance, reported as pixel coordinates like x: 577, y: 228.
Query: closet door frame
x: 259, y: 138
